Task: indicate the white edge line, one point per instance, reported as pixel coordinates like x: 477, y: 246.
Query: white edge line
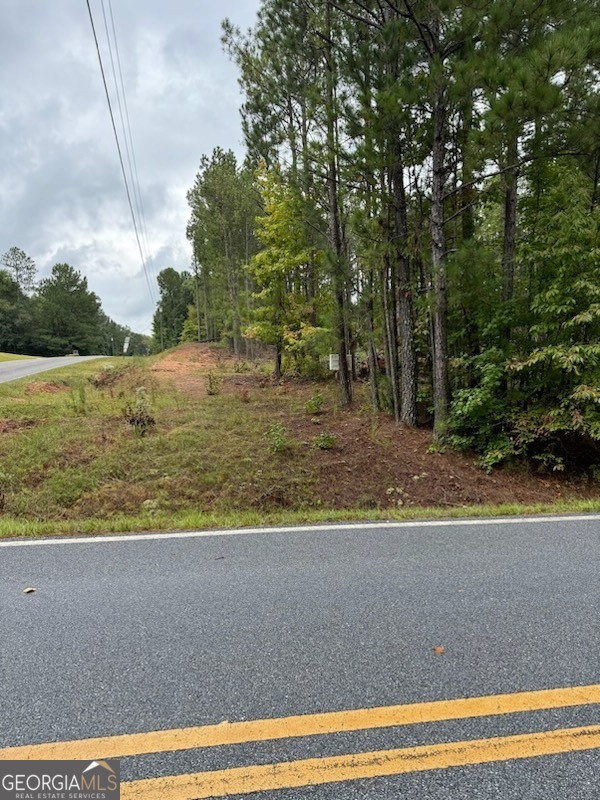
x: 144, y: 537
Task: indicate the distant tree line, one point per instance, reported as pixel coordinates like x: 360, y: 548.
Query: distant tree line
x: 421, y: 190
x: 56, y: 316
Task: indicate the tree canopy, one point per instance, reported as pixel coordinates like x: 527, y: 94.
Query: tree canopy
x: 422, y: 188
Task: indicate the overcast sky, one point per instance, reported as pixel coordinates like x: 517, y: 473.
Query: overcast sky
x: 62, y: 196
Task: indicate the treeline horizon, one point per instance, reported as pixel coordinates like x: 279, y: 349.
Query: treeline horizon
x: 56, y: 316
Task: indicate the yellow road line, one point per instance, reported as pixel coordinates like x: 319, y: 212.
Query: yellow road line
x: 229, y: 733
x: 314, y: 771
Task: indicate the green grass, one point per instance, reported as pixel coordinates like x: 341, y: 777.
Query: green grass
x: 71, y: 463
x: 13, y: 357
x: 69, y: 455
x: 196, y: 520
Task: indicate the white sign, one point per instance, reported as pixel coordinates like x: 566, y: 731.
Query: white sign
x: 126, y: 344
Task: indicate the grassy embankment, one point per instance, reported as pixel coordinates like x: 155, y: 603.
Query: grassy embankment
x: 12, y: 357
x: 72, y: 459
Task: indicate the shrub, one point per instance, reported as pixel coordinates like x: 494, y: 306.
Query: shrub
x: 325, y: 441
x: 138, y: 413
x: 214, y: 383
x: 314, y: 405
x: 79, y: 401
x: 277, y: 437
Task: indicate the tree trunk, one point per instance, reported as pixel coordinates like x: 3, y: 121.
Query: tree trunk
x: 278, y: 356
x: 236, y: 335
x: 372, y: 358
x: 335, y: 230
x: 311, y: 274
x: 391, y: 332
x: 438, y: 263
x: 408, y: 354
x: 510, y: 221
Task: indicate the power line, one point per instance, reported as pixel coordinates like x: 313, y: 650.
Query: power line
x: 126, y: 127
x: 114, y: 127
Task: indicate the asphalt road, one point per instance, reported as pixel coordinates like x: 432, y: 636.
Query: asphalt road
x: 143, y: 634
x: 13, y: 370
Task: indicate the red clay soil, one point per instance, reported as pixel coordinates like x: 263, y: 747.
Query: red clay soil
x: 374, y: 463
x: 188, y: 365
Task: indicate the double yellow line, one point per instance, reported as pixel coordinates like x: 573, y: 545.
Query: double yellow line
x: 244, y: 780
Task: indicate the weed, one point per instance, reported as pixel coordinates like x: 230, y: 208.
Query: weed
x: 325, y: 441
x: 79, y: 401
x: 374, y: 429
x: 242, y: 366
x: 214, y: 383
x: 398, y: 497
x: 7, y: 480
x: 314, y: 405
x: 107, y: 376
x: 277, y: 437
x: 138, y: 413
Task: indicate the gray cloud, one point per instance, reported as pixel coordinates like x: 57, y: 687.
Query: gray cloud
x: 61, y: 192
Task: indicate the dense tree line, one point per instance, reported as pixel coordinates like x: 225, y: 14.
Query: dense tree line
x: 56, y: 316
x: 422, y: 189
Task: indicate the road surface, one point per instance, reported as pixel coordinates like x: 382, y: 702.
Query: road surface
x: 219, y: 663
x: 13, y: 370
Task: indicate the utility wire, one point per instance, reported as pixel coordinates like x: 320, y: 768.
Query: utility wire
x: 126, y: 126
x: 114, y: 127
x: 120, y: 107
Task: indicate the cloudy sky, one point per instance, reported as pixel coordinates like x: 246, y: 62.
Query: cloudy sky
x: 62, y: 196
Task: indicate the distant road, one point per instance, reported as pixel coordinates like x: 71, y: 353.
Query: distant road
x: 13, y: 370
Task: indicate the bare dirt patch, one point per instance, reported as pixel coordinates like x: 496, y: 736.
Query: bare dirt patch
x: 46, y: 387
x: 10, y: 425
x: 187, y: 367
x: 375, y: 464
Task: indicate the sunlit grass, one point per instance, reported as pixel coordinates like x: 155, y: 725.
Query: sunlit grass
x: 13, y: 357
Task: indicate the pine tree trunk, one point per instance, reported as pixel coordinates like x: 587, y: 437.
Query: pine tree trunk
x: 438, y: 263
x: 307, y: 180
x: 335, y: 229
x: 391, y: 333
x: 510, y: 222
x: 372, y: 358
x: 278, y: 356
x: 408, y: 354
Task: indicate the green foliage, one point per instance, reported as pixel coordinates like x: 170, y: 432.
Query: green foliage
x: 314, y: 405
x: 428, y: 208
x: 67, y: 314
x: 189, y: 331
x: 79, y: 400
x: 478, y: 415
x: 172, y: 312
x: 277, y: 437
x: 223, y: 206
x: 325, y: 441
x: 214, y: 383
x: 22, y: 269
x: 283, y: 316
